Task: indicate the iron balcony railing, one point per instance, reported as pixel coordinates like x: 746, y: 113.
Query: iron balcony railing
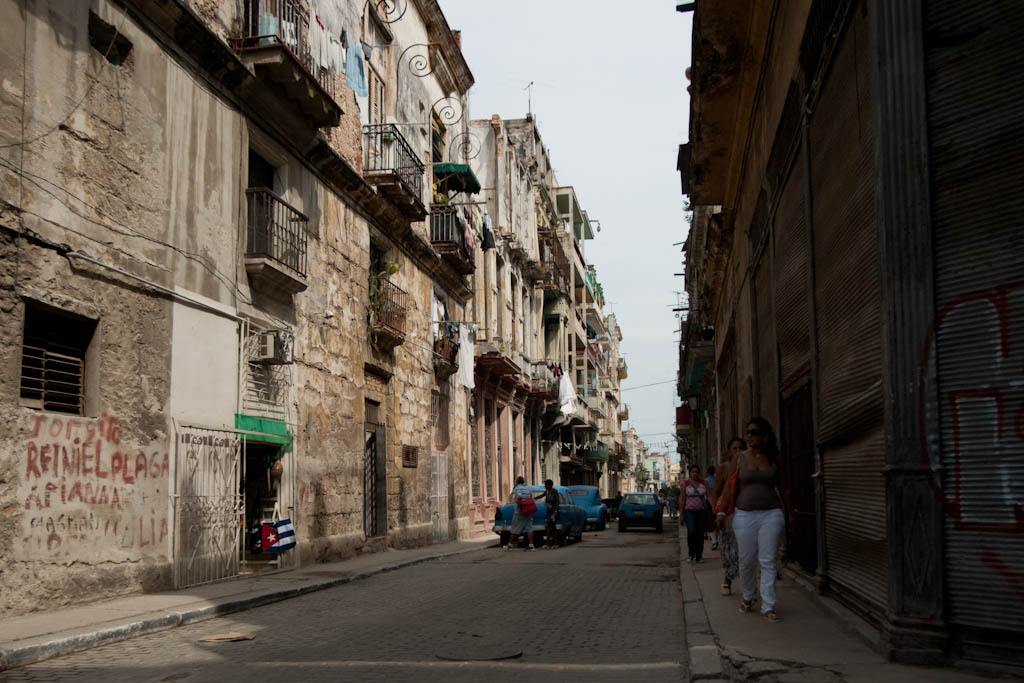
x: 285, y: 23
x: 388, y: 305
x: 447, y: 226
x: 277, y: 230
x: 447, y: 348
x: 385, y: 150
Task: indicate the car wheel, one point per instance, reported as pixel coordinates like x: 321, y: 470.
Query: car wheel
x: 622, y: 527
x: 563, y: 539
x: 658, y: 527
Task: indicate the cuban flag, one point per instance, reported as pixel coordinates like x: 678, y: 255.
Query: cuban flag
x: 278, y: 536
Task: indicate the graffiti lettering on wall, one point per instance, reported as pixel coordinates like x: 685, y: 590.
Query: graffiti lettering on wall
x: 85, y: 495
x: 981, y: 405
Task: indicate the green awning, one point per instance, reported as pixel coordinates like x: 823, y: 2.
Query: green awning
x: 267, y: 430
x: 456, y: 177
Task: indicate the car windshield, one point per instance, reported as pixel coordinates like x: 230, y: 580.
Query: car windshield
x: 641, y: 499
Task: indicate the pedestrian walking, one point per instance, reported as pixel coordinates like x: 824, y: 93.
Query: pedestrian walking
x: 713, y: 530
x: 522, y: 518
x: 723, y: 528
x: 758, y: 521
x: 696, y: 493
x: 673, y: 505
x: 551, y: 502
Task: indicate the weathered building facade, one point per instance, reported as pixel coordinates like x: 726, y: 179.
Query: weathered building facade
x: 853, y: 277
x: 220, y: 277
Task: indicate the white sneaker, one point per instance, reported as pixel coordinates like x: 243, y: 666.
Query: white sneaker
x: 530, y: 549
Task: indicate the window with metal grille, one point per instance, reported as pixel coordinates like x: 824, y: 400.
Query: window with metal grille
x: 410, y: 456
x: 53, y: 359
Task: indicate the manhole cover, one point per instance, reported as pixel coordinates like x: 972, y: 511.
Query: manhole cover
x: 473, y: 647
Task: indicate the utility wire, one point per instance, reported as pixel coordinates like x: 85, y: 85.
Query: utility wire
x: 654, y: 384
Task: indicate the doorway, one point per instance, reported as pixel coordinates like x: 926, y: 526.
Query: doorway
x: 799, y: 455
x: 375, y: 512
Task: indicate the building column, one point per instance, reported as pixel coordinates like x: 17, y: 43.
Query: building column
x: 915, y: 631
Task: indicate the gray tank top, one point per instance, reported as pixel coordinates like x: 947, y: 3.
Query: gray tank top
x: 757, y: 489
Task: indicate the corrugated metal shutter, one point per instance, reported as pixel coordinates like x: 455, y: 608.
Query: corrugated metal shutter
x: 791, y: 309
x: 727, y: 390
x: 768, y: 387
x: 975, y: 117
x: 851, y: 419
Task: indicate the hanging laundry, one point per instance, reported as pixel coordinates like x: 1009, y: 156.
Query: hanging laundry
x: 566, y: 396
x: 335, y: 59
x: 355, y: 70
x: 488, y: 241
x: 318, y: 45
x: 367, y: 50
x: 466, y: 357
x: 268, y: 29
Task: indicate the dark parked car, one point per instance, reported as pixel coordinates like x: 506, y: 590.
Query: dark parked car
x: 589, y: 498
x: 572, y: 519
x: 640, y: 509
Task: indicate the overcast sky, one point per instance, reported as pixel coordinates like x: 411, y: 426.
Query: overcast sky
x: 610, y: 100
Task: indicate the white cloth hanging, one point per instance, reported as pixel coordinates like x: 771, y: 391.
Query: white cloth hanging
x: 566, y: 396
x: 467, y: 354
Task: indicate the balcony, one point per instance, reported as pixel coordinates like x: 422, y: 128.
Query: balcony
x: 274, y: 45
x: 448, y: 235
x: 390, y: 164
x: 624, y: 412
x: 598, y: 452
x: 621, y: 368
x: 446, y: 354
x: 276, y: 240
x: 389, y: 306
x: 543, y: 383
x: 597, y: 404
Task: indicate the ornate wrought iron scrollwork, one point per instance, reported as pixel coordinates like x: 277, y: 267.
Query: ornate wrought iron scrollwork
x: 449, y: 109
x: 419, y: 60
x: 390, y: 11
x: 464, y: 147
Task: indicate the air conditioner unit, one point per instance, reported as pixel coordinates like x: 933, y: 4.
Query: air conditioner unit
x: 273, y: 348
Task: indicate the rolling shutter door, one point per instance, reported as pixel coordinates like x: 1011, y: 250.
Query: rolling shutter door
x: 727, y: 391
x: 768, y: 388
x: 791, y: 309
x: 851, y: 419
x: 974, y: 123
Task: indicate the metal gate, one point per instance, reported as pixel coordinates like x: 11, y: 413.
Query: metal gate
x: 374, y: 481
x: 439, y: 495
x: 208, y: 505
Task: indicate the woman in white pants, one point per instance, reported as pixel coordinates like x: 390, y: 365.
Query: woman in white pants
x: 758, y: 521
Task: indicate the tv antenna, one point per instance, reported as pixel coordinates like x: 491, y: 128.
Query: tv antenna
x: 529, y: 97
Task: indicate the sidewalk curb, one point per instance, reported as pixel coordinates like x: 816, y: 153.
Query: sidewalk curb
x: 47, y: 647
x: 705, y: 657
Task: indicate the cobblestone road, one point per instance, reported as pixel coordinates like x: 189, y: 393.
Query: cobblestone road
x: 608, y: 608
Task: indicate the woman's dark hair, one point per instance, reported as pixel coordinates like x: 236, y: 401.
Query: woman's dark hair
x: 771, y: 446
x: 691, y: 468
x: 711, y: 470
x: 734, y: 440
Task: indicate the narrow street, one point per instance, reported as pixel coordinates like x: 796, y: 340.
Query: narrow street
x: 605, y: 609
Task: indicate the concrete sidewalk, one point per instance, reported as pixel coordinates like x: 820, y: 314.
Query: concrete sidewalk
x: 811, y: 644
x: 36, y: 637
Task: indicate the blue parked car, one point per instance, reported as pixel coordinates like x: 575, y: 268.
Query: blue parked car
x: 589, y: 498
x: 572, y: 519
x: 640, y: 509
